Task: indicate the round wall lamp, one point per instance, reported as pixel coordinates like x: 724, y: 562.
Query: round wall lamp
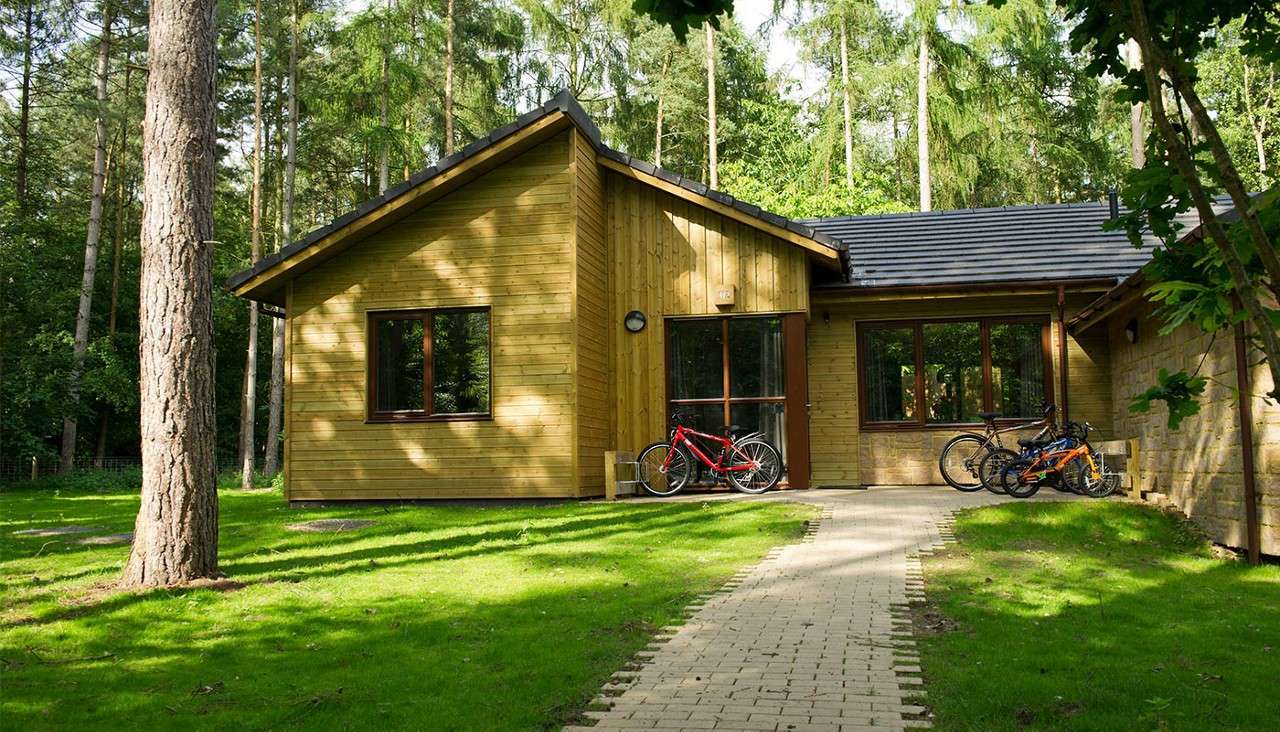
x: 1131, y: 331
x: 634, y: 321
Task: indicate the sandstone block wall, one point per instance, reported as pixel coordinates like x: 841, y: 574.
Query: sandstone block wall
x: 1198, y: 467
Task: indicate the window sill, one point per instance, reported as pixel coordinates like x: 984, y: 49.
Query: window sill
x: 917, y: 427
x: 419, y: 418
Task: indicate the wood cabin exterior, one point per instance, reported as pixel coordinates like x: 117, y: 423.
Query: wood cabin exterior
x: 463, y: 335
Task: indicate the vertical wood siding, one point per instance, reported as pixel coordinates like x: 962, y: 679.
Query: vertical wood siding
x: 591, y: 313
x: 667, y: 258
x: 502, y: 241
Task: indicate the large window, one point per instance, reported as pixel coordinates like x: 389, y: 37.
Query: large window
x: 729, y: 371
x: 429, y: 364
x: 946, y: 372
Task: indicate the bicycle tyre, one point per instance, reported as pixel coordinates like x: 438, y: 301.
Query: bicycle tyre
x: 1011, y: 481
x: 970, y: 462
x: 991, y: 466
x: 649, y: 468
x: 1107, y: 484
x: 769, y: 473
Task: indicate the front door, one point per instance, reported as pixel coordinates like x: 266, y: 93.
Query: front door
x: 743, y: 370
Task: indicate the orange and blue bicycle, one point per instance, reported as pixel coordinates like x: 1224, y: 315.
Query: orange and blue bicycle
x: 1068, y: 461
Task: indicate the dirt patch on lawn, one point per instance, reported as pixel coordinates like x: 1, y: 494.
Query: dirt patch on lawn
x: 108, y: 539
x: 320, y: 526
x: 928, y: 620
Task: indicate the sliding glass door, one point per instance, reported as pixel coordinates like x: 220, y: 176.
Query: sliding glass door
x: 730, y: 371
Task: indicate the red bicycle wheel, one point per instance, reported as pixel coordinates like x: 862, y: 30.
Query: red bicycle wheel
x: 663, y: 471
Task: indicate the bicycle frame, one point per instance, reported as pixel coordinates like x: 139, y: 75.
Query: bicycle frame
x: 681, y: 437
x: 1060, y: 458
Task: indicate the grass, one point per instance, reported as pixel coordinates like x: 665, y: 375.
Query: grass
x: 1096, y: 615
x: 450, y: 617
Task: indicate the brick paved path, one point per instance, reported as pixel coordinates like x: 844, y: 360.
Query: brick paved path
x: 813, y: 637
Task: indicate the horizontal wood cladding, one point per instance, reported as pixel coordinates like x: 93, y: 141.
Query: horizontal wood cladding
x: 502, y: 241
x: 842, y: 454
x: 667, y: 258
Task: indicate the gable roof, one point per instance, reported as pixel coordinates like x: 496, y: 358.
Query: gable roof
x: 1012, y: 244
x: 264, y: 280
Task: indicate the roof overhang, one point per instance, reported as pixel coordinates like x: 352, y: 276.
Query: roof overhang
x: 1132, y: 287
x: 841, y: 291
x: 266, y: 280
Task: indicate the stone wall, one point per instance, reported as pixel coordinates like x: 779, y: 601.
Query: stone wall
x: 1198, y: 467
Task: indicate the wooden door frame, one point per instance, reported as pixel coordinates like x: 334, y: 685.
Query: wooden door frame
x: 795, y: 388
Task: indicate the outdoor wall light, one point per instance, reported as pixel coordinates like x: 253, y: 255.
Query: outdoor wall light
x: 1131, y: 330
x: 634, y: 321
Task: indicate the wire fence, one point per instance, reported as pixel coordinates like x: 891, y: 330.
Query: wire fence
x: 22, y: 469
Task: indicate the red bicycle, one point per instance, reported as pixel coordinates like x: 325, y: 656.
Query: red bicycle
x: 748, y: 462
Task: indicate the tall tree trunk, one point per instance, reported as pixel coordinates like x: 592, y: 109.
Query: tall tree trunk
x: 1257, y: 123
x: 248, y: 404
x: 384, y: 152
x: 275, y: 404
x: 659, y: 118
x: 713, y: 140
x: 24, y: 105
x: 1153, y: 62
x: 922, y: 123
x: 1137, y: 130
x: 848, y: 112
x: 176, y: 535
x: 92, y: 238
x: 448, y: 78
x: 117, y: 248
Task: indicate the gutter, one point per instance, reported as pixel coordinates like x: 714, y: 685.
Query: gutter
x: 1032, y: 286
x: 1244, y: 401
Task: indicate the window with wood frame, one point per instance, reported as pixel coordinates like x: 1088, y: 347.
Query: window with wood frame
x: 919, y: 373
x: 429, y: 365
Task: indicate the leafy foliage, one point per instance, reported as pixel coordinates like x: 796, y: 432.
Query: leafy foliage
x: 1180, y: 391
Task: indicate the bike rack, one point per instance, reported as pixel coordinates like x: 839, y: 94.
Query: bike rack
x: 618, y: 464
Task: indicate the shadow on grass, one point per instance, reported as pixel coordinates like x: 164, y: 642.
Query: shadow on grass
x: 1099, y: 616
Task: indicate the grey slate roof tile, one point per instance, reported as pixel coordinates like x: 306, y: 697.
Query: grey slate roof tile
x: 973, y: 246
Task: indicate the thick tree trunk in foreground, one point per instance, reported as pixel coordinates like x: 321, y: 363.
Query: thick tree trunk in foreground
x: 713, y: 142
x: 176, y: 534
x: 92, y: 238
x: 448, y: 78
x: 922, y: 124
x: 848, y: 113
x: 249, y: 399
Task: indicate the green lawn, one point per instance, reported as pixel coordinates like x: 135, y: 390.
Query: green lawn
x: 1097, y: 615
x: 448, y: 617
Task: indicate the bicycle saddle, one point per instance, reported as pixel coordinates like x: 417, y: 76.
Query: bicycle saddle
x: 731, y: 429
x: 984, y: 416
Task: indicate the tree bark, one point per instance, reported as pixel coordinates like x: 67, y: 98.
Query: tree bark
x: 1257, y: 123
x: 24, y: 106
x: 1182, y: 159
x: 176, y: 534
x: 249, y: 400
x: 922, y: 123
x: 448, y: 78
x: 713, y: 142
x: 275, y: 404
x: 92, y: 238
x: 848, y: 112
x: 1137, y: 129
